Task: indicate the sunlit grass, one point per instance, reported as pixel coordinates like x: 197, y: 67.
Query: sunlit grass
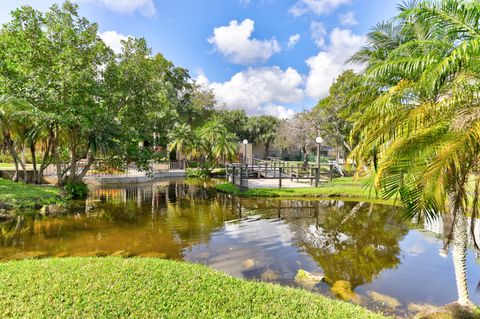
x: 346, y: 187
x: 151, y: 288
x: 21, y: 195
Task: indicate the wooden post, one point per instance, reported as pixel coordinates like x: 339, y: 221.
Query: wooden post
x: 233, y: 174
x: 274, y: 168
x: 298, y: 170
x: 241, y: 176
x: 331, y: 172
x: 266, y: 170
x: 280, y: 177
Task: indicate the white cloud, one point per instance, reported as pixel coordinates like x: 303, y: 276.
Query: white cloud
x: 318, y: 7
x: 278, y: 111
x: 329, y: 63
x: 144, y: 7
x: 348, y: 19
x: 113, y: 40
x: 293, y: 40
x: 259, y: 90
x: 234, y: 42
x: 201, y: 79
x: 318, y: 33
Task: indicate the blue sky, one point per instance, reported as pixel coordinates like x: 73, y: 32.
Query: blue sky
x: 265, y: 56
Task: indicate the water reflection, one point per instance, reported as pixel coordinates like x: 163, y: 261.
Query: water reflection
x: 369, y: 246
x: 352, y: 242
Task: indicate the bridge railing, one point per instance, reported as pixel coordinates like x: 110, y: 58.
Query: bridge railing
x: 253, y: 168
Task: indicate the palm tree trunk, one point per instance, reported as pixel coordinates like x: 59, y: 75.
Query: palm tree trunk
x: 459, y: 254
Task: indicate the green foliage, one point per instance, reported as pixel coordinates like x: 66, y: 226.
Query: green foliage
x: 419, y: 131
x: 236, y: 121
x: 209, y: 144
x: 151, y: 288
x: 76, y: 190
x: 54, y: 62
x: 197, y: 173
x: 335, y: 114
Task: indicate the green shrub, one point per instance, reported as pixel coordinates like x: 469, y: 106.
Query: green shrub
x: 197, y: 173
x: 192, y: 164
x: 76, y: 190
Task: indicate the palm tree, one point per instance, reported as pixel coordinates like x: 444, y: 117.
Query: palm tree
x: 226, y: 147
x: 181, y: 138
x: 216, y: 143
x: 421, y: 135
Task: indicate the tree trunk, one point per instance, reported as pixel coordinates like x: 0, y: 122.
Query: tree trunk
x: 23, y: 162
x: 459, y: 255
x: 15, y: 158
x: 34, y: 162
x: 15, y: 176
x: 85, y: 170
x: 267, y: 147
x: 45, y: 162
x: 58, y: 165
x: 73, y: 163
x: 305, y: 154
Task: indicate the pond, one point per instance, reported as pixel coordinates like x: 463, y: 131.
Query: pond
x: 369, y: 246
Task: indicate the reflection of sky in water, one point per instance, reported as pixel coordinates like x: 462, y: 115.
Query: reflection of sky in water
x: 268, y: 242
x: 424, y: 275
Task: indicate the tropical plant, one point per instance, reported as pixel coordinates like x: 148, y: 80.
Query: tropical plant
x: 420, y: 133
x: 262, y: 130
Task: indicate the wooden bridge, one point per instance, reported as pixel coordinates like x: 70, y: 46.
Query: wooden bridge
x: 256, y: 173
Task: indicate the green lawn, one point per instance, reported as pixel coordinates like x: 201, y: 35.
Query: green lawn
x: 113, y: 287
x: 345, y: 187
x: 20, y: 195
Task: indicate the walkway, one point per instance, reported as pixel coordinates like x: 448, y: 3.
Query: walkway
x: 273, y: 183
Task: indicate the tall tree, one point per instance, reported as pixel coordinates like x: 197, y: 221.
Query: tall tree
x: 298, y: 133
x: 333, y: 114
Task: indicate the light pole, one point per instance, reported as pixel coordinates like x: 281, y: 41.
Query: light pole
x: 245, y: 143
x: 319, y: 141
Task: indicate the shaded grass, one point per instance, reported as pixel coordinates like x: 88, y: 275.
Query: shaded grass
x: 21, y: 195
x: 150, y: 288
x: 345, y: 187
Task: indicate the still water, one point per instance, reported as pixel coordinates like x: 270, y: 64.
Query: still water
x: 370, y: 246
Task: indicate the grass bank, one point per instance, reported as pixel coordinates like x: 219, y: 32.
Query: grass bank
x: 150, y: 288
x: 346, y: 187
x: 20, y: 195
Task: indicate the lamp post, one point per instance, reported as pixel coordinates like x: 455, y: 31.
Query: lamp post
x: 319, y: 141
x: 245, y: 143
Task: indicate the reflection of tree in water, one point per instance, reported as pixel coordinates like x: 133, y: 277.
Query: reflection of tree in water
x: 160, y: 218
x: 352, y: 242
